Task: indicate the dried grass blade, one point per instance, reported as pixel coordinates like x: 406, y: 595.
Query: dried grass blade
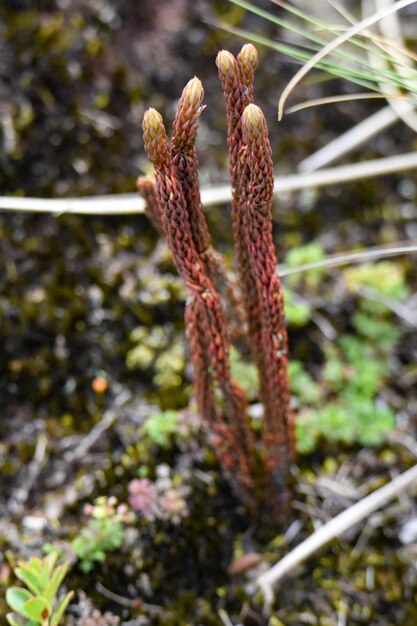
x: 334, y: 528
x: 345, y: 98
x: 351, y: 32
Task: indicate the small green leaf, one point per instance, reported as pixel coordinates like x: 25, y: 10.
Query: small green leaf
x: 29, y: 577
x: 160, y: 426
x: 49, y: 562
x: 60, y: 609
x: 41, y: 568
x: 37, y: 568
x: 56, y: 581
x: 33, y: 564
x: 12, y: 620
x: 16, y: 599
x: 98, y: 555
x: 86, y: 565
x: 37, y: 609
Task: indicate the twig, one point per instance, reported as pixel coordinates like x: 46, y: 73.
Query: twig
x: 95, y: 433
x: 131, y: 204
x: 334, y: 528
x: 350, y: 257
x: 354, y: 137
x: 133, y: 603
x: 34, y: 468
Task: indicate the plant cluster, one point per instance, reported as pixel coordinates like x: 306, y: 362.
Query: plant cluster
x: 158, y: 351
x: 103, y: 533
x: 214, y: 313
x: 171, y: 427
x: 343, y: 401
x: 158, y: 499
x: 38, y: 605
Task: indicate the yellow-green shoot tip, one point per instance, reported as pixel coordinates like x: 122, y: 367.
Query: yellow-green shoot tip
x: 252, y: 116
x: 248, y: 56
x: 193, y: 92
x: 152, y: 120
x: 225, y: 61
x: 155, y: 137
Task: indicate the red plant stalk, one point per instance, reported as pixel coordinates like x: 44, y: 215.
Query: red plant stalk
x: 252, y: 185
x: 236, y: 77
x: 256, y: 187
x: 205, y: 322
x: 184, y: 160
x: 204, y: 390
x: 175, y: 206
x: 146, y: 188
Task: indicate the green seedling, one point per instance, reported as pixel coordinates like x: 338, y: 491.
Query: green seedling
x: 95, y: 540
x: 161, y: 428
x: 37, y: 605
x: 345, y: 405
x: 103, y: 533
x: 169, y: 428
x: 246, y: 373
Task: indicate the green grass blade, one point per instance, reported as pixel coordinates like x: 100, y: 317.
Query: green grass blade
x: 356, y: 68
x: 334, y: 44
x: 391, y: 76
x: 357, y: 77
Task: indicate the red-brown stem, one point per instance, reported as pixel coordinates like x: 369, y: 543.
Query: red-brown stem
x: 223, y: 439
x: 184, y: 160
x: 206, y: 309
x: 258, y: 182
x: 236, y: 77
x: 203, y: 379
x: 147, y: 189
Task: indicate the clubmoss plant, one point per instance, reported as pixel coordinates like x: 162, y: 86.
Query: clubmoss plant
x: 251, y: 173
x: 212, y: 298
x: 206, y: 325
